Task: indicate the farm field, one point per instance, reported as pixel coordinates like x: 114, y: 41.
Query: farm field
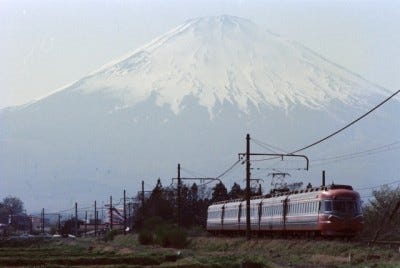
x: 125, y: 251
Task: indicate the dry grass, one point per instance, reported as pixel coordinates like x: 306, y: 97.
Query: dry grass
x: 125, y: 251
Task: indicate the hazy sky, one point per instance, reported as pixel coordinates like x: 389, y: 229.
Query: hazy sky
x: 45, y: 44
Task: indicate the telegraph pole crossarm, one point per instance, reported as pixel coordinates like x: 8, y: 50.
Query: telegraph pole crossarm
x: 197, y: 178
x: 241, y: 155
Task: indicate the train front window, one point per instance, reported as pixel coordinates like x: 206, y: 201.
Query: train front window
x: 345, y: 206
x: 341, y: 206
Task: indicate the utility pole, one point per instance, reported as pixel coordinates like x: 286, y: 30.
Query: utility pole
x: 85, y: 222
x: 129, y: 216
x: 124, y: 212
x: 179, y: 195
x: 42, y: 225
x: 111, y: 213
x: 248, y: 230
x: 59, y: 223
x: 247, y: 155
x: 142, y: 221
x: 95, y: 218
x: 142, y: 194
x: 76, y: 219
x: 30, y: 225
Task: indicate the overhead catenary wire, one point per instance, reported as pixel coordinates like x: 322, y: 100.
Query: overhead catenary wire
x: 228, y: 170
x: 272, y: 148
x: 366, y: 153
x: 192, y: 173
x: 377, y: 186
x: 375, y: 150
x: 334, y: 133
x: 348, y: 125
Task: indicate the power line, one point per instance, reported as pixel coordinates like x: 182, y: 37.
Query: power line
x: 193, y: 173
x: 229, y: 169
x: 375, y: 150
x: 268, y: 146
x: 348, y: 125
x: 274, y: 169
x: 377, y: 186
x: 371, y: 150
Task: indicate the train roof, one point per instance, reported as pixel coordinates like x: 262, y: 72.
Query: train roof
x: 287, y: 192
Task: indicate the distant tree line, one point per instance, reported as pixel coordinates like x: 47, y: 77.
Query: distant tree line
x: 163, y: 203
x: 11, y: 213
x: 382, y: 215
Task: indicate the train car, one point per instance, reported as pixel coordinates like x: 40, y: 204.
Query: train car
x: 333, y: 210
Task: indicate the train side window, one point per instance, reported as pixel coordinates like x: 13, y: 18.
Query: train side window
x: 328, y: 205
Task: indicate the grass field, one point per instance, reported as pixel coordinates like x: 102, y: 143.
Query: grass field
x: 125, y: 251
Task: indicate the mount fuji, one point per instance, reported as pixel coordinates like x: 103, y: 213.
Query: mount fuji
x: 190, y: 96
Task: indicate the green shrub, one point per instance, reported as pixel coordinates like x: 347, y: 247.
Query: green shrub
x: 164, y: 234
x: 109, y: 236
x: 146, y: 237
x: 171, y: 236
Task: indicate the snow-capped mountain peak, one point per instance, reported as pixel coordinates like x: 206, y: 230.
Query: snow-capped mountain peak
x: 225, y: 59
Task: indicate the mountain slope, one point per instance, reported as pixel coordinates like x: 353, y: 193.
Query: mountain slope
x: 226, y: 58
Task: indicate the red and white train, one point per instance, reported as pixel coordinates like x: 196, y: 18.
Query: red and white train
x: 333, y: 210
